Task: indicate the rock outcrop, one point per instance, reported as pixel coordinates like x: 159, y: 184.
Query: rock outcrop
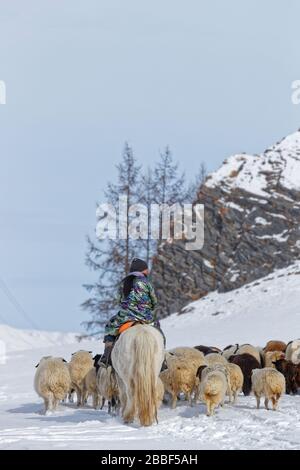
x: 252, y: 215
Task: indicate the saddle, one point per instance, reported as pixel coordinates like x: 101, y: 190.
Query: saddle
x: 126, y: 326
x: 129, y: 324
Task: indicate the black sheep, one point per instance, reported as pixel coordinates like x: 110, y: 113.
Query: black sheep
x: 247, y: 363
x: 290, y: 372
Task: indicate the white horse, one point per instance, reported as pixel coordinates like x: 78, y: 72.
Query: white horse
x: 137, y: 358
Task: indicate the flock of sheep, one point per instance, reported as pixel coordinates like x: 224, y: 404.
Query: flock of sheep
x: 200, y: 373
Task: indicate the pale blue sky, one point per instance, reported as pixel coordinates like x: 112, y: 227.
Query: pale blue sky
x: 209, y: 78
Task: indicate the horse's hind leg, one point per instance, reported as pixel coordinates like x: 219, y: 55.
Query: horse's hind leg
x: 123, y: 399
x: 128, y: 416
x: 129, y: 411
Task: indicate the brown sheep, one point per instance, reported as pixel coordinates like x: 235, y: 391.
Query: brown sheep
x: 298, y: 375
x: 249, y: 349
x: 247, y: 363
x: 274, y: 345
x: 290, y: 372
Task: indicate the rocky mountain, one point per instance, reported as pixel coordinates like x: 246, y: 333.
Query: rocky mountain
x: 252, y: 215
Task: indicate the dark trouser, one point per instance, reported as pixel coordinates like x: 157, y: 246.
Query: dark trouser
x: 109, y: 338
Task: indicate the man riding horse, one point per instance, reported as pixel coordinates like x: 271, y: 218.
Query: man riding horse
x: 137, y: 301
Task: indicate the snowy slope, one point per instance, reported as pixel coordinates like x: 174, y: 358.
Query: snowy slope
x: 252, y: 172
x: 18, y: 340
x: 266, y: 309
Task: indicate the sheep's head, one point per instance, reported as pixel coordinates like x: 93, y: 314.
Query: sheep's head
x: 62, y: 359
x: 96, y: 361
x: 164, y: 365
x: 280, y: 365
x: 279, y: 355
x: 43, y: 359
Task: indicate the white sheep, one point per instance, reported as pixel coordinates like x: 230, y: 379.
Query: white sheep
x: 269, y: 383
x: 52, y: 381
x: 81, y: 363
x: 292, y: 352
x: 249, y: 349
x: 215, y: 358
x: 191, y: 355
x: 180, y: 376
x: 213, y: 387
x: 236, y: 380
x: 272, y: 356
x: 107, y: 387
x: 230, y: 350
x: 90, y: 388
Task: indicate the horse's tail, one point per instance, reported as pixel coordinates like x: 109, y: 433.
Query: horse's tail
x: 144, y: 386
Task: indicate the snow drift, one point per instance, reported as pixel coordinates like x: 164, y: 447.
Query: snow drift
x: 17, y: 340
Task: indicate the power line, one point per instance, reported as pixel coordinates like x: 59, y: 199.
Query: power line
x: 11, y: 297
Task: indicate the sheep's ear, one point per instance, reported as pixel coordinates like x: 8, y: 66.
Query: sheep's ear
x: 164, y: 366
x: 199, y: 371
x: 37, y: 365
x: 64, y: 360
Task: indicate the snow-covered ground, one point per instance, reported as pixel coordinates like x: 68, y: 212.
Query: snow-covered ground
x: 19, y: 340
x: 266, y: 309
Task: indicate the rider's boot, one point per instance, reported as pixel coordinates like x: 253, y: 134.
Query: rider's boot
x: 106, y: 356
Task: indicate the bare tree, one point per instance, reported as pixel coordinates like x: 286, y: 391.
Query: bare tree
x: 111, y: 258
x: 195, y: 185
x: 148, y: 192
